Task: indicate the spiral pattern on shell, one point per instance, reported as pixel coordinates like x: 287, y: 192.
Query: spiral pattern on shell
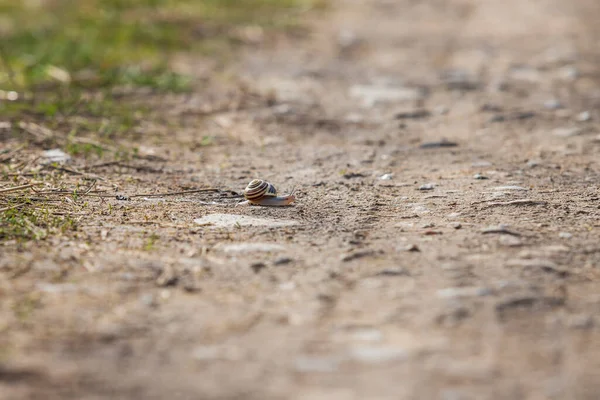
x: 258, y: 189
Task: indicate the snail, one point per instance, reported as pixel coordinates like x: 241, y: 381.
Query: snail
x: 263, y: 193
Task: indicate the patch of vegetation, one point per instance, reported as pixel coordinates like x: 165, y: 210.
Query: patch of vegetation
x: 61, y: 60
x: 103, y: 43
x: 151, y: 242
x: 25, y: 222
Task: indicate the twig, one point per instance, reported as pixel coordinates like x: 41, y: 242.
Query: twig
x: 121, y: 164
x: 140, y: 168
x: 102, y: 164
x: 40, y: 132
x: 93, y: 185
x: 521, y: 202
x: 17, y: 188
x: 110, y: 196
x: 176, y: 193
x: 71, y: 214
x: 75, y: 172
x: 160, y: 224
x: 12, y: 207
x: 500, y: 230
x: 9, y: 154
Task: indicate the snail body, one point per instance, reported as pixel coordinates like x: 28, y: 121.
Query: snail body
x: 263, y: 193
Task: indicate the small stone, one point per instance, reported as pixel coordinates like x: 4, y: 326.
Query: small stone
x: 428, y: 225
x: 521, y: 115
x: 122, y: 197
x: 488, y: 107
x: 191, y: 286
x: 55, y: 156
x: 510, y: 187
x: 376, y: 355
x: 427, y: 186
x: 497, y: 118
x: 168, y: 277
x: 316, y: 364
x: 57, y: 288
x: 525, y: 73
x: 351, y: 175
x: 567, y: 132
x: 347, y: 39
x: 515, y: 116
x: 479, y: 176
x: 510, y: 241
x: 148, y: 300
x: 456, y: 292
x: 359, y: 254
x: 282, y: 109
x: 553, y: 104
x: 580, y: 322
x: 367, y: 335
x: 499, y: 229
x: 438, y: 144
x: 282, y: 261
x: 290, y: 285
x: 386, y: 177
x: 456, y: 225
x: 583, y: 116
x: 441, y: 110
x: 257, y: 266
x: 413, y: 114
x: 393, y: 272
x: 459, y: 79
x: 373, y: 94
x: 565, y: 235
x: 569, y: 73
x: 533, y: 163
x: 59, y: 74
x: 248, y: 247
x: 413, y: 248
x: 420, y: 209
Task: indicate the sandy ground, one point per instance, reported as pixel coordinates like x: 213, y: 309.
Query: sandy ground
x: 444, y: 243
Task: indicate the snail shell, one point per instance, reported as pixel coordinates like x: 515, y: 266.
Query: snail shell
x: 257, y: 189
x: 263, y: 193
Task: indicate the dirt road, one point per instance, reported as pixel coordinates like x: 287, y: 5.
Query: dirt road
x: 444, y: 244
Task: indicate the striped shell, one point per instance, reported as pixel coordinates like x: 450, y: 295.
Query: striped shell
x: 258, y: 189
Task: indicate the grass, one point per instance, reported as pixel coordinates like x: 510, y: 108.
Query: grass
x: 60, y: 60
x: 29, y: 223
x: 103, y: 43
